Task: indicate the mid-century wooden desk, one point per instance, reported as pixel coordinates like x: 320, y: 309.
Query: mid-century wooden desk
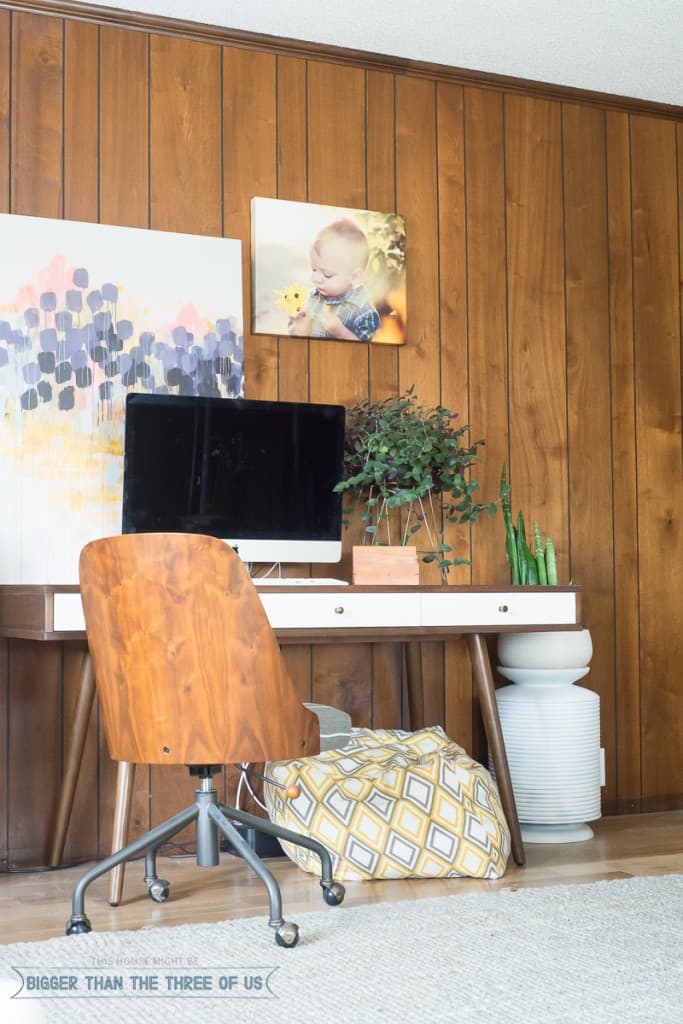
x: 329, y: 615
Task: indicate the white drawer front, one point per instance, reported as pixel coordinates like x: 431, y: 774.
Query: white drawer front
x: 68, y: 613
x: 315, y: 610
x: 341, y: 611
x: 504, y: 609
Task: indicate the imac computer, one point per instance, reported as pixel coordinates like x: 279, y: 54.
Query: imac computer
x: 259, y: 475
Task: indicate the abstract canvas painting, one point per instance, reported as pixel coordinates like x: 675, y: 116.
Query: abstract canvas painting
x: 328, y: 272
x: 89, y: 313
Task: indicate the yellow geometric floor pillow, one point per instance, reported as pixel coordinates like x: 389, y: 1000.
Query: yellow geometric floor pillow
x: 393, y: 804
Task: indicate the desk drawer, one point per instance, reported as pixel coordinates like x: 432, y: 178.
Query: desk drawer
x: 67, y: 613
x: 499, y: 610
x: 341, y: 610
x: 295, y: 611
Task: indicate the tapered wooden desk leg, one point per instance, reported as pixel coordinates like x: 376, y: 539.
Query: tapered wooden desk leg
x: 125, y: 777
x: 416, y: 707
x: 494, y: 734
x: 74, y: 756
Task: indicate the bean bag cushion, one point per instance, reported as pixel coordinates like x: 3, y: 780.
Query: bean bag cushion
x: 393, y: 804
x: 335, y: 726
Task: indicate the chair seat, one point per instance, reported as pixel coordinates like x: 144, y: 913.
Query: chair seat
x: 393, y: 804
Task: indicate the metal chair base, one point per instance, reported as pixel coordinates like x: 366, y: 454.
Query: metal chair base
x: 211, y: 817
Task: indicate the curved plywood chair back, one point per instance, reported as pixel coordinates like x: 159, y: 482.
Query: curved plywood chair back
x: 188, y: 669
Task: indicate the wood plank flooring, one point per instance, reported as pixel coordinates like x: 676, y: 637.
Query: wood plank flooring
x: 36, y: 905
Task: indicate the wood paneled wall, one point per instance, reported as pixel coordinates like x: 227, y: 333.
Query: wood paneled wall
x: 544, y: 266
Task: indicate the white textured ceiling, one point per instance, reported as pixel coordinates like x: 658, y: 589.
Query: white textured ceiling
x: 625, y: 47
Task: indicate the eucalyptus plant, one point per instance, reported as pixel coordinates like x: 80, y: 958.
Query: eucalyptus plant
x: 527, y: 568
x: 401, y: 454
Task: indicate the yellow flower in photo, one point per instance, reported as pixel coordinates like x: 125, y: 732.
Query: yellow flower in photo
x: 293, y: 299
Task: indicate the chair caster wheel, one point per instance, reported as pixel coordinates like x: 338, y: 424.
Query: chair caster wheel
x: 78, y: 926
x: 159, y: 890
x: 334, y: 894
x: 287, y: 934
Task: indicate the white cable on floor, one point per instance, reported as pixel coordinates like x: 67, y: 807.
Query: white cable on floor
x: 244, y: 778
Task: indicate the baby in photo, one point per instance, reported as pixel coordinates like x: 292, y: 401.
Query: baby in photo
x: 339, y: 305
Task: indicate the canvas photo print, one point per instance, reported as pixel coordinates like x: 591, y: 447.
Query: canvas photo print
x: 328, y: 272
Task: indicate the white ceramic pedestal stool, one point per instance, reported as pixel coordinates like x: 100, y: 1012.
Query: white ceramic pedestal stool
x: 552, y: 734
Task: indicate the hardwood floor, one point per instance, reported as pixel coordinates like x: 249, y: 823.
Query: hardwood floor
x: 36, y: 905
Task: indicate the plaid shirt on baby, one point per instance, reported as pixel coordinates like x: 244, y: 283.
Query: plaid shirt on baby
x: 354, y: 309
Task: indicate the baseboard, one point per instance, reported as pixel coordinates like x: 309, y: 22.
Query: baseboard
x: 263, y: 845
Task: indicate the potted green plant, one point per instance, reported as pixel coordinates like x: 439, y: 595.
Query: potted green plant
x: 560, y: 649
x: 401, y: 454
x: 527, y: 568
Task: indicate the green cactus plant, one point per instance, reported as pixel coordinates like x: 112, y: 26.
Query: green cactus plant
x: 527, y: 569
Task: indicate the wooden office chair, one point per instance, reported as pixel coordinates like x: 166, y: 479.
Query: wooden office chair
x: 189, y: 672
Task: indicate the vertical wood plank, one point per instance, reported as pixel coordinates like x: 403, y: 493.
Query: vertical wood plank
x: 381, y: 191
x: 249, y: 162
x: 124, y: 127
x: 4, y: 753
x: 416, y: 192
x: 292, y: 139
x: 5, y: 23
x: 659, y: 453
x: 460, y: 717
x: 417, y: 198
x: 461, y: 720
x: 679, y: 165
x: 37, y: 132
x: 624, y: 470
x: 387, y: 686
x: 434, y: 681
x: 81, y: 99
x: 342, y: 678
x: 292, y: 178
x: 588, y: 387
x: 185, y: 136
x: 35, y: 711
x: 452, y: 249
x: 452, y: 281
x: 339, y: 182
x: 487, y: 322
x: 536, y: 318
x: 298, y: 661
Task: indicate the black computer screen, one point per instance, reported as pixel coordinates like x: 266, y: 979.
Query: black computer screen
x: 233, y: 468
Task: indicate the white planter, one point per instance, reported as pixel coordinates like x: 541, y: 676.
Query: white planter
x: 551, y: 730
x: 564, y: 648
